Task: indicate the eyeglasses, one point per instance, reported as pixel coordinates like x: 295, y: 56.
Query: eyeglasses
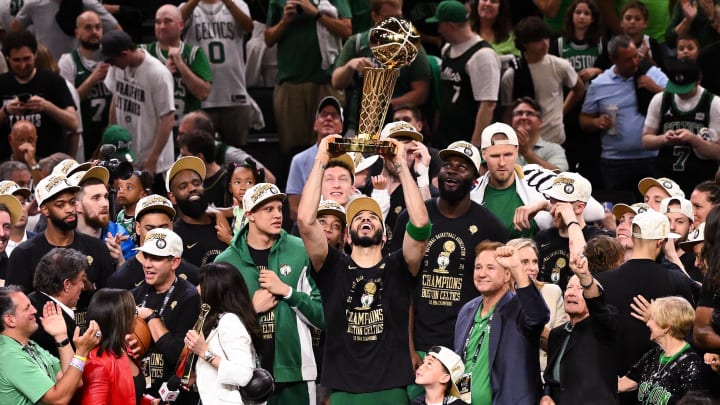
x: 328, y: 114
x: 525, y: 113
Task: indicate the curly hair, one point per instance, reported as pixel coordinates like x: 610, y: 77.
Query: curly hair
x: 603, y: 253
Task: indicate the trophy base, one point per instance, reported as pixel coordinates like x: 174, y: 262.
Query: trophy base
x: 374, y: 146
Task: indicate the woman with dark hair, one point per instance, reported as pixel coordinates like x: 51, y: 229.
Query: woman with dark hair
x: 108, y: 376
x: 704, y: 197
x: 227, y: 357
x: 706, y: 330
x: 491, y: 19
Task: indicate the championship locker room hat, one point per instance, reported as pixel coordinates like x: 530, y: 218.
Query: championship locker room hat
x: 452, y: 362
x: 9, y: 187
x: 346, y: 161
x: 259, y: 194
x: 162, y: 242
x: 685, y: 207
x: 51, y: 186
x: 13, y: 205
x: 185, y: 163
x: 330, y: 100
x: 363, y: 163
x: 363, y: 204
x: 400, y: 129
x: 69, y: 166
x: 465, y: 150
x: 694, y: 237
x: 114, y: 43
x: 95, y: 172
x: 154, y: 202
x: 669, y: 185
x: 569, y: 187
x: 491, y: 130
x: 449, y: 11
x: 683, y: 75
x: 652, y: 225
x: 621, y: 209
x: 330, y: 207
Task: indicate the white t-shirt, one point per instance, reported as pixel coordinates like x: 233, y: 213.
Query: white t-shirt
x: 652, y: 119
x: 143, y: 95
x: 483, y: 67
x: 213, y: 28
x: 550, y: 75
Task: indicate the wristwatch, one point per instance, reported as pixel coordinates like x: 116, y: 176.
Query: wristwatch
x: 208, y: 356
x: 152, y: 316
x: 63, y: 343
x: 35, y: 167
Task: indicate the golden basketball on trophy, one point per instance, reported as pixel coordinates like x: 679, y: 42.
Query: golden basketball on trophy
x: 394, y: 45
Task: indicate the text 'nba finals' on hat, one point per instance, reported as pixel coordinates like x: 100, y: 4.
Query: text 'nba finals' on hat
x: 486, y: 137
x: 464, y: 150
x: 569, y: 187
x: 162, y: 242
x: 154, y: 202
x: 259, y: 194
x: 652, y: 225
x: 52, y: 185
x: 330, y: 207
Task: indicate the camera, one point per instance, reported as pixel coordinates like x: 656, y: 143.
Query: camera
x: 24, y: 97
x: 119, y: 169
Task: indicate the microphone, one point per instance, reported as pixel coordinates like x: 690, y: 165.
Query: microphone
x: 170, y: 390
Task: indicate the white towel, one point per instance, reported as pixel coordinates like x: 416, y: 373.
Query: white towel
x: 330, y: 44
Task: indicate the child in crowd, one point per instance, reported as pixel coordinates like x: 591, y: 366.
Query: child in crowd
x: 688, y: 47
x: 242, y: 176
x: 633, y: 22
x: 129, y: 192
x: 439, y: 373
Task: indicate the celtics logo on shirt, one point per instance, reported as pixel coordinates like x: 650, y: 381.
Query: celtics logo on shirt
x: 442, y: 285
x: 365, y: 319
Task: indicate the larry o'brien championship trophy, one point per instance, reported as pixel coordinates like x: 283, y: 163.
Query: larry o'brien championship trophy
x: 394, y: 45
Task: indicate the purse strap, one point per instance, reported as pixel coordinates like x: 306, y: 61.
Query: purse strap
x: 252, y: 346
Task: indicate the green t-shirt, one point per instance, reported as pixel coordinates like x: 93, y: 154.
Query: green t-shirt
x: 361, y: 19
x: 503, y: 204
x: 24, y: 379
x: 298, y: 50
x: 506, y: 47
x: 557, y: 23
x: 477, y: 359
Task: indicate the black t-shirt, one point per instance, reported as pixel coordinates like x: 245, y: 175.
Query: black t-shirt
x: 638, y: 276
x: 554, y: 254
x: 709, y: 297
x: 179, y: 316
x: 660, y: 384
x: 51, y: 87
x: 131, y: 274
x: 267, y: 320
x: 446, y: 283
x: 201, y: 243
x: 366, y: 323
x: 26, y: 256
x: 215, y: 189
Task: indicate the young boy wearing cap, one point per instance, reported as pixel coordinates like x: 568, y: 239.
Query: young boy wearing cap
x: 641, y: 275
x: 169, y: 305
x: 439, y: 374
x: 152, y: 212
x: 677, y: 125
x: 366, y: 295
x: 275, y: 267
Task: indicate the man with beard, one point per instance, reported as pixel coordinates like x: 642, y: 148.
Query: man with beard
x: 55, y: 197
x: 151, y: 212
x: 85, y: 69
x: 679, y: 212
x: 10, y: 211
x: 275, y: 267
x: 35, y: 95
x: 446, y: 276
x: 195, y: 226
x: 366, y: 295
x: 93, y: 208
x: 568, y: 196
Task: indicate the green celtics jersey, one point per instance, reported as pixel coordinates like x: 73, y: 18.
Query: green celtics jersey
x: 95, y: 107
x: 580, y: 56
x: 197, y: 61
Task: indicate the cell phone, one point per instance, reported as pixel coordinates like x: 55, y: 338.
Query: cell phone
x: 298, y: 9
x: 24, y: 97
x: 608, y: 205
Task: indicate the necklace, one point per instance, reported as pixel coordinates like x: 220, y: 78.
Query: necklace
x: 664, y: 361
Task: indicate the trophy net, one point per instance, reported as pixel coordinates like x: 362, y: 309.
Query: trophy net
x: 378, y: 86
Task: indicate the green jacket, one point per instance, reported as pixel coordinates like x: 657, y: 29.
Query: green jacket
x: 294, y: 360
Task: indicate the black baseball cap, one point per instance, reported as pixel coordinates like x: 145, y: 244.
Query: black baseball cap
x: 114, y: 43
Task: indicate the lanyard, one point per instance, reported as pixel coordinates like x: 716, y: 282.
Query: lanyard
x: 168, y: 294
x: 29, y: 350
x: 484, y: 333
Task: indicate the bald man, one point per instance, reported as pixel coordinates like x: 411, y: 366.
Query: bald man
x: 188, y: 63
x: 86, y: 70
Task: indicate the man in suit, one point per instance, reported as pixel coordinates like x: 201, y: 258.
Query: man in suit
x: 59, y: 277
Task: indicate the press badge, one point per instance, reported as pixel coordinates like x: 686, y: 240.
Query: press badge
x: 464, y: 387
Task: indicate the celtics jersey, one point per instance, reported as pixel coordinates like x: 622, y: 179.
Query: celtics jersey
x: 195, y: 59
x: 214, y: 29
x: 679, y: 162
x: 95, y: 107
x: 457, y: 103
x: 581, y: 56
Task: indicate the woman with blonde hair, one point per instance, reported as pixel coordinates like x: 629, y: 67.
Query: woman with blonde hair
x: 551, y: 293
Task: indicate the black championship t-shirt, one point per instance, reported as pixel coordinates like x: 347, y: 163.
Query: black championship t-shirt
x: 638, y: 276
x: 181, y: 310
x: 51, y: 87
x: 662, y: 384
x: 445, y: 283
x: 131, y: 274
x: 554, y: 254
x: 366, y: 323
x: 200, y: 243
